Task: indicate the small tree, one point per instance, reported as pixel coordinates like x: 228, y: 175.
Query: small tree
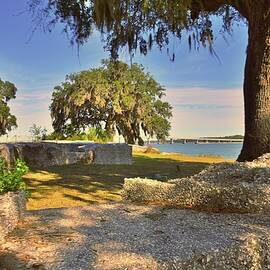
x: 112, y: 97
x: 37, y: 132
x: 7, y: 120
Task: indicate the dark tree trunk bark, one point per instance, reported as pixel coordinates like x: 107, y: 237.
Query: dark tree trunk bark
x: 128, y: 137
x: 257, y: 84
x: 140, y: 141
x: 257, y: 72
x: 130, y: 140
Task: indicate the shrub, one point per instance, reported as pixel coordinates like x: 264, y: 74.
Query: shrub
x: 38, y: 133
x: 98, y: 135
x: 11, y: 179
x: 54, y: 136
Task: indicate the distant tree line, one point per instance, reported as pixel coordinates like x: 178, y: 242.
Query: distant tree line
x: 232, y: 137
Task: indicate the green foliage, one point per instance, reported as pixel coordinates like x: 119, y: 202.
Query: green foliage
x: 98, y: 135
x: 112, y: 97
x: 11, y: 179
x: 37, y: 132
x: 54, y: 136
x: 81, y: 136
x: 92, y: 134
x: 238, y: 137
x: 7, y: 120
x: 140, y: 24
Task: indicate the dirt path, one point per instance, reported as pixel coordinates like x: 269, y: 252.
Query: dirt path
x: 119, y: 236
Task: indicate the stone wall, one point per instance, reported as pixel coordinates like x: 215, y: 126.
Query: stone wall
x: 112, y: 154
x: 12, y: 207
x: 46, y: 154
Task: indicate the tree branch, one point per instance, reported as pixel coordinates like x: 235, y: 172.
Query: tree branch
x: 213, y: 5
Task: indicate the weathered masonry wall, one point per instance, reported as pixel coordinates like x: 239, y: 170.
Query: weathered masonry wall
x: 46, y: 154
x: 12, y: 207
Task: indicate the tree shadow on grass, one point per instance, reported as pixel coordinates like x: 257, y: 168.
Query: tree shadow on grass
x: 86, y: 184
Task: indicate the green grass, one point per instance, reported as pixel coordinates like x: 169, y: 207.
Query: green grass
x: 77, y: 185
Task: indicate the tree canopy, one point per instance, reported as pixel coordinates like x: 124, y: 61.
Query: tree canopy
x: 141, y: 24
x: 7, y: 120
x: 114, y: 97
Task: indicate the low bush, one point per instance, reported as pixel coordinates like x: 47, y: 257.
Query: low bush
x: 97, y: 135
x: 54, y: 136
x: 12, y: 179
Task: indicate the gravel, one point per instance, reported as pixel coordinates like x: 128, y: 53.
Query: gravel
x: 129, y: 236
x: 225, y: 187
x: 12, y: 207
x: 124, y: 236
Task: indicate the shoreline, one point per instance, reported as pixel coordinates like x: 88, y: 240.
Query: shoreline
x: 218, y: 157
x: 194, y: 143
x: 205, y: 158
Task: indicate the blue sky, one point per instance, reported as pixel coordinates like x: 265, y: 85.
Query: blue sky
x: 205, y: 92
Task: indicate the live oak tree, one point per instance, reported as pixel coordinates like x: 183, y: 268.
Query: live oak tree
x: 112, y: 97
x: 140, y: 24
x: 7, y: 120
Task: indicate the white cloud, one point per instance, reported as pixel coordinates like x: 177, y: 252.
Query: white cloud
x: 31, y: 107
x: 206, y: 112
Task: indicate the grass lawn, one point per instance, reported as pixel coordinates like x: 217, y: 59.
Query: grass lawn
x: 75, y: 185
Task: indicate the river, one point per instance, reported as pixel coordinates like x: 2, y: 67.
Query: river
x: 226, y: 150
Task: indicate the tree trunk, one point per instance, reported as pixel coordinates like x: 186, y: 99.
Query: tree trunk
x: 257, y: 85
x: 128, y: 137
x: 140, y: 141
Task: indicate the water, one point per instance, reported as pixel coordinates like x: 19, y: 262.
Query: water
x: 226, y: 150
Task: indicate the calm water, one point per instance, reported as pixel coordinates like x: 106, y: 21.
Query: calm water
x: 227, y: 150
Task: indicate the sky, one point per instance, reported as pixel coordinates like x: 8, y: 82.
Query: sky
x: 205, y: 91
